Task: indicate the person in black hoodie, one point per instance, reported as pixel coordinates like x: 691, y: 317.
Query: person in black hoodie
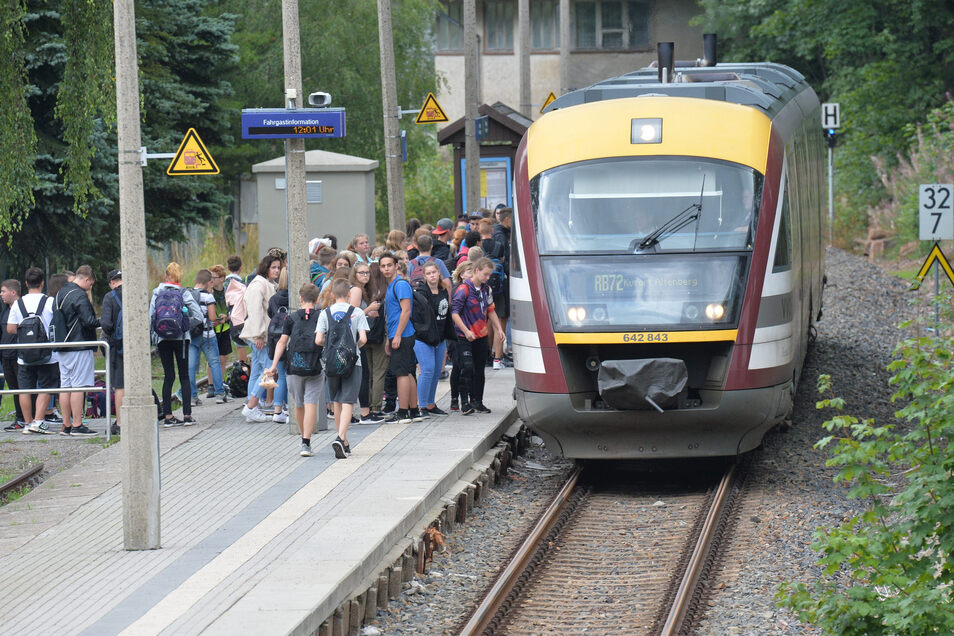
x: 501, y: 238
x: 430, y: 357
x: 278, y: 304
x: 111, y: 322
x: 10, y: 293
x: 76, y: 364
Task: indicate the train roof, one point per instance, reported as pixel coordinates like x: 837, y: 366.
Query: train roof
x: 766, y: 86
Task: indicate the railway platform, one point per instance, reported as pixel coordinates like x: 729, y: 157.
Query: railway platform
x: 255, y: 538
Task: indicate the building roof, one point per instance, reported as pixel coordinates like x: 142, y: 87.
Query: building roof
x: 321, y: 161
x: 508, y: 125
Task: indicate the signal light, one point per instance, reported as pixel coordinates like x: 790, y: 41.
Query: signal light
x: 831, y: 137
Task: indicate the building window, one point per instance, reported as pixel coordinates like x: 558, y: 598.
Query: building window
x: 611, y: 25
x: 545, y: 24
x: 498, y: 25
x: 450, y: 26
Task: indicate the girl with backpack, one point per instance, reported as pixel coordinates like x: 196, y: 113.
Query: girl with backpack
x: 430, y: 356
x: 277, y: 314
x: 168, y: 306
x: 255, y: 330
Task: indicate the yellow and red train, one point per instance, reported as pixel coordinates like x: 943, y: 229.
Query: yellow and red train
x: 667, y: 261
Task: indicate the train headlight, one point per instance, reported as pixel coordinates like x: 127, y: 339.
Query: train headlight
x: 646, y: 131
x: 576, y: 314
x: 715, y: 311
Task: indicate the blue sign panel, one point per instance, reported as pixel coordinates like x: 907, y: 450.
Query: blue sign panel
x: 297, y: 123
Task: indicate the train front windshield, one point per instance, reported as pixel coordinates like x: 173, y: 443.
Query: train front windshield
x: 645, y: 243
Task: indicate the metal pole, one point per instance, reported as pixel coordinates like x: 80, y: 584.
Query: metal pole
x: 564, y: 47
x: 471, y: 97
x: 140, y: 442
x: 392, y: 132
x: 937, y: 294
x: 523, y: 60
x: 298, y: 265
x: 831, y: 201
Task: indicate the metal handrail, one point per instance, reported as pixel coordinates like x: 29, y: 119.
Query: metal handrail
x: 76, y: 389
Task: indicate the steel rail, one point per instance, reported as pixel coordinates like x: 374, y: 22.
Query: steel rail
x: 19, y: 480
x: 683, y: 598
x: 481, y: 618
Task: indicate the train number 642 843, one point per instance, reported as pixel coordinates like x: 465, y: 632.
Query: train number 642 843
x: 645, y: 337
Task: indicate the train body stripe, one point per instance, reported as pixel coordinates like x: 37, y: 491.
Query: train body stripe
x: 528, y: 359
x: 646, y: 337
x: 775, y: 310
x: 520, y: 289
x: 775, y: 332
x: 522, y: 316
x: 690, y: 128
x: 775, y: 353
x: 525, y: 338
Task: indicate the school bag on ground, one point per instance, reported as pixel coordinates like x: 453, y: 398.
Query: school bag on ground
x: 340, y: 350
x: 59, y: 332
x: 31, y: 330
x: 237, y: 379
x: 169, y: 322
x: 118, y: 328
x: 303, y: 356
x: 276, y: 327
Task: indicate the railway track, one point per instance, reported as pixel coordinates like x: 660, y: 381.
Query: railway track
x: 23, y: 479
x: 612, y: 558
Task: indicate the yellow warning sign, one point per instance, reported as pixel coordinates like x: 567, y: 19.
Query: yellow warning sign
x: 549, y: 100
x: 431, y: 112
x: 935, y: 255
x: 192, y: 157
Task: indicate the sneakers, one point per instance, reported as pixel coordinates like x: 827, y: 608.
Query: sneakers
x: 114, y: 430
x: 305, y: 450
x: 436, y: 411
x: 497, y: 364
x: 338, y: 447
x: 15, y: 426
x: 39, y: 427
x: 480, y: 408
x: 346, y: 445
x: 393, y: 416
x: 169, y: 422
x: 280, y: 418
x: 371, y: 418
x: 82, y: 431
x: 467, y: 409
x: 355, y: 420
x: 210, y: 394
x: 254, y: 415
x: 196, y: 401
x: 221, y: 398
x: 404, y: 416
x: 267, y: 405
x: 54, y: 417
x: 417, y: 415
x: 188, y: 420
x: 444, y: 375
x: 454, y: 406
x: 65, y: 432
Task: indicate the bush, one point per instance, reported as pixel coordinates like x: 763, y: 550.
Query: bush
x: 888, y: 570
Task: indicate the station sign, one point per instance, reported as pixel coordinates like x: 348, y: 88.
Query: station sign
x: 831, y: 115
x: 293, y: 123
x: 936, y: 211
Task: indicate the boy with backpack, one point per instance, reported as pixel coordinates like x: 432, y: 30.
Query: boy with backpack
x: 415, y: 266
x: 235, y: 300
x: 306, y: 382
x: 203, y: 339
x: 342, y: 330
x: 30, y: 318
x: 398, y: 303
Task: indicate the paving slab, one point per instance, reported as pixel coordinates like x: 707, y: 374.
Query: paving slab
x: 255, y: 538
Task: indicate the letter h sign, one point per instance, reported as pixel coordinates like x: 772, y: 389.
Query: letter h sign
x: 830, y: 116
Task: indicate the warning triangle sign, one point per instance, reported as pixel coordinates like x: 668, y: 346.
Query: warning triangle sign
x: 935, y: 255
x: 431, y: 112
x: 192, y: 157
x: 549, y: 100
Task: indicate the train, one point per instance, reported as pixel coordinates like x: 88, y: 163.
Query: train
x: 667, y: 260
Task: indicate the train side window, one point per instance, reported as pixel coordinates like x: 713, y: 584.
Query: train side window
x: 783, y: 244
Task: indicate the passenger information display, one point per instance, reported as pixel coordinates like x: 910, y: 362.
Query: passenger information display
x: 297, y: 123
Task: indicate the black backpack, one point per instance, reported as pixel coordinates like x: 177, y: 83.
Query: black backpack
x: 196, y: 323
x: 422, y: 318
x: 237, y: 379
x: 58, y: 329
x: 31, y: 330
x: 276, y: 329
x: 340, y: 350
x: 303, y: 356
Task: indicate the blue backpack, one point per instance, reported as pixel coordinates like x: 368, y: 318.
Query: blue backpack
x: 169, y: 321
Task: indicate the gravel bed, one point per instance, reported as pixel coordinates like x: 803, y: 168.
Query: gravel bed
x: 790, y: 489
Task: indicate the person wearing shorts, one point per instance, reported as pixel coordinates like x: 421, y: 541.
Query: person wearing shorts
x: 76, y: 364
x: 400, y: 341
x: 343, y: 391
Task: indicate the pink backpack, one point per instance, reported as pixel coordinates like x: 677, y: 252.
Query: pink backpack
x: 235, y: 299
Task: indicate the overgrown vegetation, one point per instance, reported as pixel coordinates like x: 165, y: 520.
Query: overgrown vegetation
x: 888, y: 569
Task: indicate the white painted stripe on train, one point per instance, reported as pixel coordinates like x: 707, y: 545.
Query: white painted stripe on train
x: 775, y: 353
x: 777, y: 283
x: 525, y: 338
x: 520, y: 289
x: 775, y: 332
x: 528, y: 359
x: 519, y: 285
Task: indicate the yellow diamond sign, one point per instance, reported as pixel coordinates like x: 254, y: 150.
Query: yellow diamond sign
x: 192, y: 157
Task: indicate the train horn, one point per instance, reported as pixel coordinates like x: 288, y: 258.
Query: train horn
x: 709, y: 49
x: 665, y: 53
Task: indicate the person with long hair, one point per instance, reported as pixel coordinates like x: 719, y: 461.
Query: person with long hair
x: 374, y: 350
x: 277, y: 304
x: 395, y: 241
x: 174, y: 352
x: 413, y: 225
x: 361, y: 246
x: 359, y: 296
x: 255, y: 331
x: 430, y: 356
x: 327, y: 298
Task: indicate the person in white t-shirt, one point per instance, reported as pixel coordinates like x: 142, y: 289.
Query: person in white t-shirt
x: 43, y: 375
x: 343, y: 391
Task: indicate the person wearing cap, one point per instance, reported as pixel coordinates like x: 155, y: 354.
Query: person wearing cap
x: 111, y: 322
x: 439, y: 247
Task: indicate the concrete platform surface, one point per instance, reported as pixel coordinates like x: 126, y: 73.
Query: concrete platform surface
x: 255, y: 538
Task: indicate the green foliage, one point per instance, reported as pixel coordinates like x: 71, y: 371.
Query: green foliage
x: 428, y: 186
x: 888, y: 569
x: 887, y: 63
x: 18, y: 141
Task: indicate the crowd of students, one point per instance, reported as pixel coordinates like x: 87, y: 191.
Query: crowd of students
x: 428, y: 296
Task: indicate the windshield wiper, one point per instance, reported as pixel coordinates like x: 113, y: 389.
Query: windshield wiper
x: 675, y: 223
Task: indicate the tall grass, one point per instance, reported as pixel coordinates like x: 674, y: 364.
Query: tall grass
x: 213, y: 246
